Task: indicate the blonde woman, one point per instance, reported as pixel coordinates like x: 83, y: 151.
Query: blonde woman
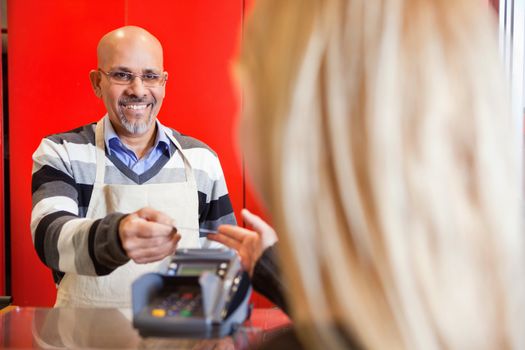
x: 379, y: 136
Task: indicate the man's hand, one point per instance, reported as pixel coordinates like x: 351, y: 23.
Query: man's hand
x: 248, y: 244
x: 148, y: 235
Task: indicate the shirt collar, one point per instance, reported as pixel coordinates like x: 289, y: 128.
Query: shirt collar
x: 161, y: 139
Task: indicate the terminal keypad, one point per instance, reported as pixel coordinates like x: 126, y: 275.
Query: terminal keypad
x: 178, y: 304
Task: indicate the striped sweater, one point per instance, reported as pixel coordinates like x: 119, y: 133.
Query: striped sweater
x: 64, y: 168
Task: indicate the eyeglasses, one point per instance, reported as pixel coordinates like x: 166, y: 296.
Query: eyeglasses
x: 126, y: 78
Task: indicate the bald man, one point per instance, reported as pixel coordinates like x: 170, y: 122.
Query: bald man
x: 113, y: 199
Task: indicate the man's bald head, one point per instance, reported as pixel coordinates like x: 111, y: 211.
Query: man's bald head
x: 130, y: 79
x: 122, y: 39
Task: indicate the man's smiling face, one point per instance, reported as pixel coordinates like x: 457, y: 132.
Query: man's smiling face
x: 132, y: 108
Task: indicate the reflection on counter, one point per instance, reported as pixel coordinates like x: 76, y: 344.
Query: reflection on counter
x: 66, y: 328
x: 80, y: 328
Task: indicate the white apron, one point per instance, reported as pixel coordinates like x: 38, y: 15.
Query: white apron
x: 178, y: 200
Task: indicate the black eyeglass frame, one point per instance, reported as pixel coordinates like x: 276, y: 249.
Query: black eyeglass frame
x: 112, y: 79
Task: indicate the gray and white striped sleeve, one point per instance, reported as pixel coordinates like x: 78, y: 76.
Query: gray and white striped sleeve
x: 63, y: 240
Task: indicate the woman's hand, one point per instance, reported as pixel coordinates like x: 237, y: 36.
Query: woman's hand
x: 248, y: 244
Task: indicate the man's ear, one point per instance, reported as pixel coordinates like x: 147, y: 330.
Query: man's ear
x: 165, y: 82
x: 94, y: 76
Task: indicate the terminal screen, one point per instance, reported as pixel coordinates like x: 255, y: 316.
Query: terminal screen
x: 195, y: 269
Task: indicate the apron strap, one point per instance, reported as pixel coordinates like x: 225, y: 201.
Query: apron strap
x: 100, y: 149
x: 187, y: 167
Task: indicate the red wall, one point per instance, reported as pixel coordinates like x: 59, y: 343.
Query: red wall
x: 52, y: 47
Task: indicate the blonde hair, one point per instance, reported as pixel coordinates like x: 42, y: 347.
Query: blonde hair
x: 390, y: 169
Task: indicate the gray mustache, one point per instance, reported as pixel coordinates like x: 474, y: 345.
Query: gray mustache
x: 135, y: 100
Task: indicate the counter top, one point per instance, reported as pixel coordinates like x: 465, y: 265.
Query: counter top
x: 97, y: 328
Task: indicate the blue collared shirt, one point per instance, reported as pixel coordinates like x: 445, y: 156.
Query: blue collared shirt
x: 115, y: 147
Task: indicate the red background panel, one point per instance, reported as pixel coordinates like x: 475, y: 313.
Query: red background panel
x: 52, y: 48
x: 199, y: 39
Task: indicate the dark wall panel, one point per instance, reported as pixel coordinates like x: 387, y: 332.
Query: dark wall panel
x: 2, y: 226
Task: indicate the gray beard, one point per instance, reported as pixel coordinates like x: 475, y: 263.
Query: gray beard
x: 136, y: 128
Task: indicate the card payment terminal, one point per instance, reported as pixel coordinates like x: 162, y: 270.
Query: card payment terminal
x: 198, y: 293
